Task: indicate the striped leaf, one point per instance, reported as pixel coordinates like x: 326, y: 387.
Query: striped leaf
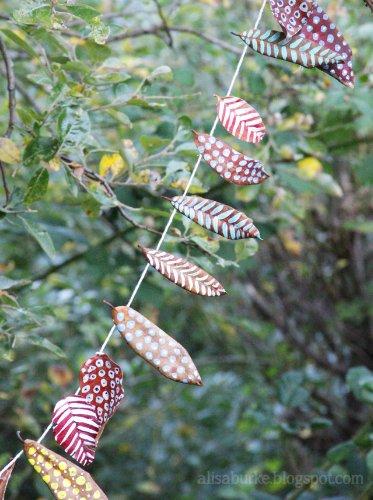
x: 217, y: 217
x: 296, y: 49
x: 183, y: 273
x: 231, y: 165
x: 291, y: 14
x: 4, y: 478
x: 240, y: 119
x: 314, y: 25
x: 100, y: 380
x: 156, y: 347
x: 65, y: 479
x: 76, y: 428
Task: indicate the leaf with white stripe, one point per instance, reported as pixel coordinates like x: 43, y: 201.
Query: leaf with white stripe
x: 76, y: 428
x: 4, y: 479
x: 231, y: 165
x: 240, y: 119
x: 183, y: 273
x: 217, y: 217
x: 296, y: 49
x: 157, y: 348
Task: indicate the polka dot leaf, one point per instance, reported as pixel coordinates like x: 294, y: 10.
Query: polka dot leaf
x: 65, y: 479
x: 240, y: 119
x: 217, y: 217
x: 183, y: 273
x: 156, y: 347
x: 76, y: 428
x: 101, y: 384
x: 231, y: 165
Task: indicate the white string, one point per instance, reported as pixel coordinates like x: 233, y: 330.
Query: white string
x: 168, y: 225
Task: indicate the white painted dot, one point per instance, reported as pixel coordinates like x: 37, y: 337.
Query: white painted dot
x: 149, y: 355
x: 139, y: 346
x: 219, y: 144
x: 184, y: 359
x: 120, y: 316
x: 215, y: 153
x: 177, y: 351
x: 154, y: 346
x: 148, y: 340
x: 157, y: 362
x: 180, y: 369
x: 201, y: 138
x: 207, y: 146
x: 330, y: 38
x: 164, y: 353
x: 166, y: 368
x: 139, y: 333
x: 121, y: 327
x: 226, y: 152
x: 212, y: 139
x: 128, y: 336
x: 316, y: 20
x: 227, y: 175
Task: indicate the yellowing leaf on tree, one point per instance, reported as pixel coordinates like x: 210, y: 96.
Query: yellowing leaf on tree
x: 293, y: 246
x: 9, y: 152
x: 111, y: 163
x: 310, y: 167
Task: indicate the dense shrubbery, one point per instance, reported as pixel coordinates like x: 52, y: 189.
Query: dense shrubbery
x: 102, y: 129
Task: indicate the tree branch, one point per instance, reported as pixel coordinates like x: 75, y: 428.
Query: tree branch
x: 158, y: 29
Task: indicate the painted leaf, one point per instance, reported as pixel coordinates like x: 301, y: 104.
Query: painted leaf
x: 156, y: 347
x: 240, y: 119
x: 4, y: 479
x: 217, y: 217
x: 76, y: 428
x: 291, y: 14
x: 296, y: 49
x: 100, y: 380
x: 231, y: 165
x: 318, y: 28
x: 183, y: 273
x: 65, y: 479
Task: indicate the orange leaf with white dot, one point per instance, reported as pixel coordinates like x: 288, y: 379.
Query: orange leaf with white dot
x: 156, y: 347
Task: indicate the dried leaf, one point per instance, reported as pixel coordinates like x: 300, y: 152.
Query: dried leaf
x: 240, y: 119
x: 217, y: 217
x: 4, y: 479
x: 296, y: 49
x: 9, y: 152
x: 183, y: 273
x: 291, y: 14
x: 100, y: 381
x: 316, y: 27
x: 76, y: 428
x: 156, y: 347
x: 65, y: 479
x: 231, y: 165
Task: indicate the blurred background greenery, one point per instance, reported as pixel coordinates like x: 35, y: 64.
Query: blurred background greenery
x: 107, y: 94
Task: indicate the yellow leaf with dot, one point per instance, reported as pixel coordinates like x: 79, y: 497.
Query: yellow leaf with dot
x: 310, y: 167
x: 111, y: 163
x: 69, y: 480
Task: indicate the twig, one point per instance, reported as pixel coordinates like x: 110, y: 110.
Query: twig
x: 164, y: 23
x: 11, y: 87
x: 156, y: 30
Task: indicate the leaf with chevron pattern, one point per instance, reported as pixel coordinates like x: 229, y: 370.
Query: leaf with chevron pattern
x: 231, y: 165
x: 156, y: 347
x: 217, y: 217
x: 76, y: 428
x: 296, y: 49
x: 183, y: 273
x: 64, y: 478
x: 4, y: 479
x: 240, y: 119
x: 100, y: 381
x: 311, y: 23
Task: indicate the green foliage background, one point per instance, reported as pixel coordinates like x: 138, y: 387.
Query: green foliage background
x: 284, y: 357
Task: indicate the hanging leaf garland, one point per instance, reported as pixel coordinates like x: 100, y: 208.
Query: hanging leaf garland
x: 183, y: 273
x: 231, y: 165
x: 101, y: 384
x: 65, y: 479
x: 240, y: 119
x: 217, y: 217
x: 156, y: 347
x: 4, y: 478
x: 313, y: 24
x: 76, y: 428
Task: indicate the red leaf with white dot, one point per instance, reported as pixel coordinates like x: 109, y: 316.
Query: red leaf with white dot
x: 101, y: 384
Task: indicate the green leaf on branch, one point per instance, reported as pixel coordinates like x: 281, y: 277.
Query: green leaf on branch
x: 85, y: 12
x: 37, y: 187
x: 8, y: 283
x: 360, y: 382
x: 73, y: 125
x: 40, y: 235
x: 45, y: 344
x: 40, y: 148
x: 291, y: 390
